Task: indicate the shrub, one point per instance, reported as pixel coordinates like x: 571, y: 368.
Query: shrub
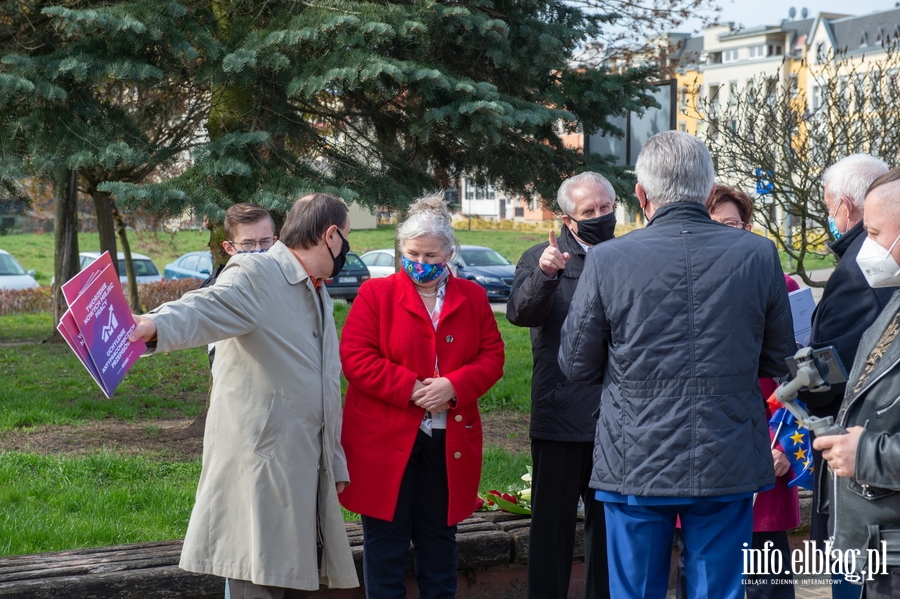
x: 153, y: 294
x: 26, y: 300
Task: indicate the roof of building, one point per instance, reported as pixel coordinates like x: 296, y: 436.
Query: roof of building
x: 866, y: 32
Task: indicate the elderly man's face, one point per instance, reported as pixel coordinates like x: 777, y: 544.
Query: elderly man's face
x: 839, y: 209
x: 590, y: 201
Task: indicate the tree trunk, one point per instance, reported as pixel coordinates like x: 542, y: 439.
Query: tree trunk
x: 133, y: 299
x: 106, y: 224
x: 65, y: 239
x: 216, y: 237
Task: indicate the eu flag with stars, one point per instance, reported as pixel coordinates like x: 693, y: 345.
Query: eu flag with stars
x: 796, y: 445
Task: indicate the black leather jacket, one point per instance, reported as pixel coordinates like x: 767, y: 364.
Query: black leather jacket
x: 848, y: 307
x: 866, y: 508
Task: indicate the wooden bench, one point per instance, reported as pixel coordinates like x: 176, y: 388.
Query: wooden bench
x: 493, y: 548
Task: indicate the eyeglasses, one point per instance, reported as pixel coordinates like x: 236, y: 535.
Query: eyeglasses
x: 735, y: 224
x: 251, y: 244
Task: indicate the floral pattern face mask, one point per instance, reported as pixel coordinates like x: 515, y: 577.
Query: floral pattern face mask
x: 421, y: 272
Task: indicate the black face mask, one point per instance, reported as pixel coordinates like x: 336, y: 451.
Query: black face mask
x: 596, y: 230
x: 341, y: 258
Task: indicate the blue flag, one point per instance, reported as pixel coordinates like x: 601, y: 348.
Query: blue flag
x: 795, y: 442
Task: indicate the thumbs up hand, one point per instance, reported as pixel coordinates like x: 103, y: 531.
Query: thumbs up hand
x: 552, y: 260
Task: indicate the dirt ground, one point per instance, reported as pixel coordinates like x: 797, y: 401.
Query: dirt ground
x: 172, y: 439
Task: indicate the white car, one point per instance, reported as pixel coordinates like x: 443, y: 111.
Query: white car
x: 144, y: 269
x: 379, y: 262
x: 13, y: 276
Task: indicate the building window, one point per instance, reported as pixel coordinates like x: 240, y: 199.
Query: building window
x: 682, y: 126
x: 470, y: 188
x: 757, y: 51
x: 774, y: 49
x: 683, y: 96
x: 816, y: 97
x: 732, y: 93
x: 729, y: 55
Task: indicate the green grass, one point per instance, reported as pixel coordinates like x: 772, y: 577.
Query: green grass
x: 53, y: 503
x: 810, y: 262
x: 17, y: 328
x: 46, y: 384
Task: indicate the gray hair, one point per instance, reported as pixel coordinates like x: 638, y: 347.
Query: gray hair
x: 674, y: 166
x: 584, y: 179
x: 850, y: 177
x: 428, y: 216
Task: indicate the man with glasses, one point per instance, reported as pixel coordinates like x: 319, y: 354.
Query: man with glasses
x: 562, y: 412
x: 248, y: 228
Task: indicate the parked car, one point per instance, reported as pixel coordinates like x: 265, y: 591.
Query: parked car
x: 12, y: 275
x: 144, y: 269
x: 193, y: 265
x: 346, y: 284
x: 379, y: 262
x: 488, y: 268
x: 485, y: 266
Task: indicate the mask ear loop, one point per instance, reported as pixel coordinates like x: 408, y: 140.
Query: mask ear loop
x: 890, y: 249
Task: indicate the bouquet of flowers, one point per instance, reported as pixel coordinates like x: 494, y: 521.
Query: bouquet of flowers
x: 513, y: 501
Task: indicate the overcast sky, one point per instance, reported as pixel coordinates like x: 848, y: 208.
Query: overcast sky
x: 770, y: 12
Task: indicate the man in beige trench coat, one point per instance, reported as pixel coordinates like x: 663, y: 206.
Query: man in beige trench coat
x: 272, y: 460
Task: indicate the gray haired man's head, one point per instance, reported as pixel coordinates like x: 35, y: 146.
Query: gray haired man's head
x: 850, y: 177
x: 586, y: 179
x: 673, y: 167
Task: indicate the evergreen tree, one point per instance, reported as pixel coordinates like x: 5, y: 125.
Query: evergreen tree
x: 375, y: 101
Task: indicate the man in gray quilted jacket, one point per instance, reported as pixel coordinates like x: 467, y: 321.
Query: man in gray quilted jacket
x: 677, y: 321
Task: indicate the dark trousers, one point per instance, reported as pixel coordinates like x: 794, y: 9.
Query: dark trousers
x: 560, y: 474
x: 420, y: 517
x: 818, y: 531
x: 758, y: 586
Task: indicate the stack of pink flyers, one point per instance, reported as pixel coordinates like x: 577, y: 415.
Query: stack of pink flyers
x: 97, y: 324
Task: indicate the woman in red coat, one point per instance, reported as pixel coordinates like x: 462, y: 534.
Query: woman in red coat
x: 418, y: 349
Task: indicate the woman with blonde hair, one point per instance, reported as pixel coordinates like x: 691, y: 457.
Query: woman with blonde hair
x: 418, y: 349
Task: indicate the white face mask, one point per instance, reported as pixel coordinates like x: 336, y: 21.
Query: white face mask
x: 877, y: 264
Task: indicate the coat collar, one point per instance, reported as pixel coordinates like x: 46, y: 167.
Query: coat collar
x: 680, y: 210
x: 412, y: 302
x: 840, y: 246
x: 291, y: 268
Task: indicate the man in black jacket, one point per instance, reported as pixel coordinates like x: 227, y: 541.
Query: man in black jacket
x: 847, y: 308
x: 678, y: 321
x: 562, y: 412
x: 866, y: 461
